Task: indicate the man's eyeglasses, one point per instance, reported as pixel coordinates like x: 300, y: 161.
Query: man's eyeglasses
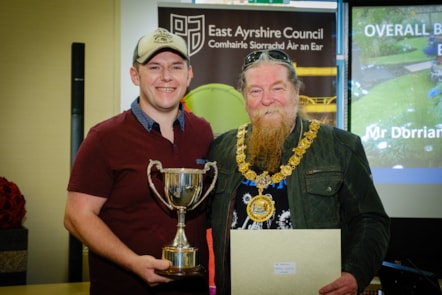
x: 274, y: 54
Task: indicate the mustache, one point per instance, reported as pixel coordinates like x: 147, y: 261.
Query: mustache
x: 270, y: 110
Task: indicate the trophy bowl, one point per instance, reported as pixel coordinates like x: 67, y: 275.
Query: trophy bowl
x: 182, y: 192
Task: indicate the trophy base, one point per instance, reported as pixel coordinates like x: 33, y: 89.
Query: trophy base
x: 185, y: 262
x: 181, y: 273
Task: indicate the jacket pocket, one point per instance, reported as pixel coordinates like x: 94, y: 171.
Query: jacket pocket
x: 219, y: 200
x: 322, y: 201
x: 224, y: 176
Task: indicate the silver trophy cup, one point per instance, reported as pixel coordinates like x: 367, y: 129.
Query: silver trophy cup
x: 182, y: 192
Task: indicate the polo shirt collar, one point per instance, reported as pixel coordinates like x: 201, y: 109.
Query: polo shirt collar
x: 147, y: 122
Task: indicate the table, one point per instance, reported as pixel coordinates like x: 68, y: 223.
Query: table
x: 81, y: 288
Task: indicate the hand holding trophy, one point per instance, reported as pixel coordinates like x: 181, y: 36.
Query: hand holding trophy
x: 182, y: 192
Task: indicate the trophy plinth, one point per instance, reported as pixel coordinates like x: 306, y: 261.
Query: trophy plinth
x: 182, y: 192
x: 185, y: 262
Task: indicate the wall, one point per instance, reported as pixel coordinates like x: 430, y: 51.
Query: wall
x: 137, y: 18
x: 35, y: 60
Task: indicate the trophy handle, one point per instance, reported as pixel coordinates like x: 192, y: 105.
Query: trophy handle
x: 152, y: 185
x: 212, y: 185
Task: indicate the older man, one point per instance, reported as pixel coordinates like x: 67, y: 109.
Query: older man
x: 284, y: 172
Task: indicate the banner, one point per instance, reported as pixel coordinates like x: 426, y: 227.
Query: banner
x: 219, y: 38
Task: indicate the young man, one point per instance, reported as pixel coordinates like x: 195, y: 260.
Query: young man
x: 110, y: 207
x: 284, y: 172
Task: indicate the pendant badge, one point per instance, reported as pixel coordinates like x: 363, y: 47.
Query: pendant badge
x: 260, y: 208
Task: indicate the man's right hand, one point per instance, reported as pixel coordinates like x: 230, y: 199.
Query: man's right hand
x: 145, y: 267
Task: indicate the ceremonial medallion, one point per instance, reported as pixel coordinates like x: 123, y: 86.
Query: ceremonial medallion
x: 260, y: 208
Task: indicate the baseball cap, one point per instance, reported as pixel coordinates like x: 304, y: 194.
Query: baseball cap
x: 161, y: 38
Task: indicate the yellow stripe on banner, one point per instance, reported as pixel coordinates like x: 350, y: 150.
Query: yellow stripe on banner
x: 319, y: 108
x: 316, y: 71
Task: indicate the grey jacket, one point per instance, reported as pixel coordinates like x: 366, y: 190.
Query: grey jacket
x: 331, y: 188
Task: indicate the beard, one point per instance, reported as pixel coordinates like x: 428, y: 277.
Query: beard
x: 267, y: 140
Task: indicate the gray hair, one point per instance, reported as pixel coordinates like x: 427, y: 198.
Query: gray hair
x: 266, y: 58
